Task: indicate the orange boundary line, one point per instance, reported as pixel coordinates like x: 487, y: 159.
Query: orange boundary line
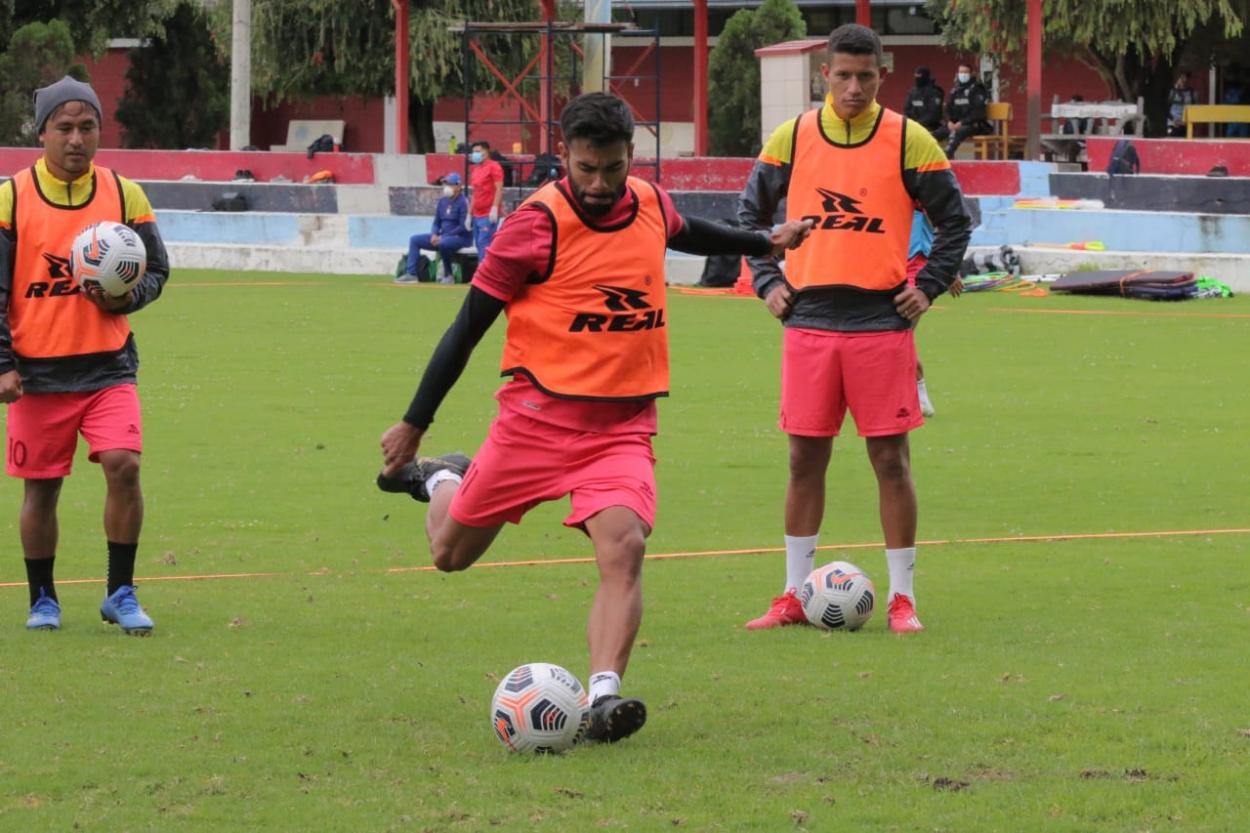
x: 539, y: 562
x: 249, y: 283
x: 1124, y: 313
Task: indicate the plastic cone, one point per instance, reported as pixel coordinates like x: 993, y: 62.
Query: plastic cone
x: 742, y: 286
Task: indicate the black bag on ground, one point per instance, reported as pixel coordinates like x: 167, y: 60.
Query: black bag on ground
x: 1124, y: 159
x: 230, y: 201
x: 546, y: 168
x: 721, y: 270
x: 322, y: 144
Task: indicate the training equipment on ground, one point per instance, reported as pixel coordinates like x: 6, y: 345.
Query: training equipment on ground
x: 539, y: 708
x: 837, y: 596
x: 1141, y: 283
x: 108, y: 255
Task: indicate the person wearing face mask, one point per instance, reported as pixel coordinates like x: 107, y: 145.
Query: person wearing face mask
x: 925, y: 100
x: 448, y: 234
x: 579, y: 269
x: 965, y: 111
x: 486, y: 183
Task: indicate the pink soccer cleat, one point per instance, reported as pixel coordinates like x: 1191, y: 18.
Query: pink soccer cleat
x: 903, y: 615
x: 785, y: 610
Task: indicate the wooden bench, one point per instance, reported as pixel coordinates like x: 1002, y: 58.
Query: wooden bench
x: 1214, y: 114
x: 1001, y: 143
x: 300, y: 133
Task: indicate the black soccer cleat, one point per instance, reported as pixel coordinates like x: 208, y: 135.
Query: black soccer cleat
x: 614, y: 718
x: 411, y: 478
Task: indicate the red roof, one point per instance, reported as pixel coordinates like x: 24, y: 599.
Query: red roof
x: 794, y: 47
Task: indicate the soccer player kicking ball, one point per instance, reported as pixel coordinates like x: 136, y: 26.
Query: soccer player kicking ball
x: 579, y: 271
x: 856, y: 169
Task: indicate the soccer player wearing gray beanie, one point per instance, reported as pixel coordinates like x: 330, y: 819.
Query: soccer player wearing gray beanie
x: 68, y: 361
x: 48, y: 98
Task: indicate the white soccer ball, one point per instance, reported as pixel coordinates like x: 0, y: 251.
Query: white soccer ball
x: 108, y: 255
x: 539, y: 708
x: 838, y: 596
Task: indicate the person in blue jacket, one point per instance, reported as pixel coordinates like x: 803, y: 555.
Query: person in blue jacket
x: 448, y: 234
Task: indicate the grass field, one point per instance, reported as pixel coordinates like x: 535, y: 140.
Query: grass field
x: 1067, y: 683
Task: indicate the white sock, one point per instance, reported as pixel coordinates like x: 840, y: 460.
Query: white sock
x: 800, y: 553
x: 604, y: 683
x: 432, y: 482
x: 902, y: 562
x: 920, y: 386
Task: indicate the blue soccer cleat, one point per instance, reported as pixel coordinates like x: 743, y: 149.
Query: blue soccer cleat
x: 122, y: 609
x: 45, y: 614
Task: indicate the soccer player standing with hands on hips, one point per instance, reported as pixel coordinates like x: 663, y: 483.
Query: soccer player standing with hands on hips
x: 579, y: 271
x: 68, y: 360
x: 856, y: 170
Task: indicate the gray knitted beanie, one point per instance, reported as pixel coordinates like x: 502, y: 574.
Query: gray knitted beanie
x: 48, y: 98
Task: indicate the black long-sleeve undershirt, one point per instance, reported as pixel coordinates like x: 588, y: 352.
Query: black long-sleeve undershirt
x: 480, y: 309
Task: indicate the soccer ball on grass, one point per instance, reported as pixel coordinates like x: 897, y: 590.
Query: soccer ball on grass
x: 108, y: 255
x: 539, y: 707
x: 837, y: 596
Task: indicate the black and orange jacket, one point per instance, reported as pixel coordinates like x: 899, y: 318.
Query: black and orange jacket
x: 594, y: 327
x: 858, y: 180
x: 57, y: 339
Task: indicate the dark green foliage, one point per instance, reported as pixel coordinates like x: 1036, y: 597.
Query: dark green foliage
x: 177, y: 87
x: 38, y: 54
x: 734, y: 74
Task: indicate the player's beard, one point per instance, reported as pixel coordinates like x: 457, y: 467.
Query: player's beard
x: 599, y: 207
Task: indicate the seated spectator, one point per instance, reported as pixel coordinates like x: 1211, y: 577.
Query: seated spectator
x: 448, y: 234
x: 965, y: 112
x: 1235, y: 93
x: 1073, y: 126
x: 1179, y: 96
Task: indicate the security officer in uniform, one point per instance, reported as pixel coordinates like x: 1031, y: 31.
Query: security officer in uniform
x: 925, y: 100
x: 965, y: 111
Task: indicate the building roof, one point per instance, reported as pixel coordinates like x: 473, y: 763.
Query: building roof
x: 749, y: 4
x: 793, y: 47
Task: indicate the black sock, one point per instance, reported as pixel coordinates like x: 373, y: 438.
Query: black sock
x: 39, y: 577
x: 121, y: 565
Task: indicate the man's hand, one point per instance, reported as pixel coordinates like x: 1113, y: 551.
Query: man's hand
x: 399, y: 445
x: 789, y: 235
x: 494, y: 214
x: 434, y: 238
x: 779, y: 300
x: 10, y: 386
x: 956, y: 289
x: 106, y: 302
x: 911, y: 303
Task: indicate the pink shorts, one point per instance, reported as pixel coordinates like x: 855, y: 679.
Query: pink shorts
x: 43, y: 429
x: 824, y: 373
x: 525, y: 462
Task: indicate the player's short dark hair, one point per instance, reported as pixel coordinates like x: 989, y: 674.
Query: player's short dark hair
x: 853, y: 39
x: 480, y: 143
x: 599, y: 118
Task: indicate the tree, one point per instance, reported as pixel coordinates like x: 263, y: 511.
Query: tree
x: 38, y: 54
x: 41, y: 38
x: 320, y: 47
x: 177, y: 87
x: 1135, y: 45
x: 734, y: 74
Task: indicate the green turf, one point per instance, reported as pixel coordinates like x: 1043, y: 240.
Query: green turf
x: 1062, y: 685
